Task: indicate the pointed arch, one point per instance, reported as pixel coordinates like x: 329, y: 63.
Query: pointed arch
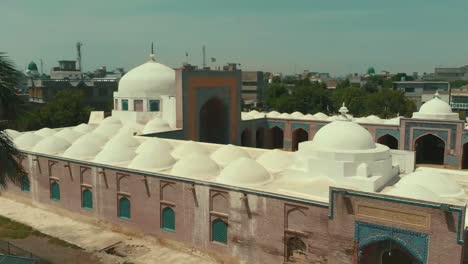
x: 430, y: 149
x: 299, y: 135
x: 389, y: 141
x: 277, y: 137
x: 214, y: 122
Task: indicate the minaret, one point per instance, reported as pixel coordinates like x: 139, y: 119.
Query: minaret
x: 152, y: 57
x: 344, y: 113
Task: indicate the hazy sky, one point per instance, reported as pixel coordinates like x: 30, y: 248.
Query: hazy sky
x: 336, y: 36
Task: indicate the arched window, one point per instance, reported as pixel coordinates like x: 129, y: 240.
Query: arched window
x: 125, y: 208
x: 55, y: 191
x: 87, y: 199
x: 25, y: 185
x: 125, y: 105
x: 219, y: 231
x: 168, y: 219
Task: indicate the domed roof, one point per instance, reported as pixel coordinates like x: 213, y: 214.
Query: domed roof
x: 115, y: 154
x: 12, y: 133
x: 371, y: 70
x: 92, y: 138
x: 45, y: 132
x: 51, y: 145
x: 297, y: 115
x: 123, y: 139
x: 275, y: 160
x: 273, y: 114
x: 156, y: 125
x: 309, y: 117
x: 343, y: 135
x: 187, y: 149
x: 284, y: 116
x: 83, y: 128
x: 156, y: 160
x: 413, y: 191
x: 195, y: 165
x: 68, y: 134
x: 154, y: 145
x: 321, y: 116
x: 32, y: 66
x: 436, y: 108
x: 111, y: 120
x: 107, y: 130
x: 228, y: 153
x: 27, y: 141
x: 433, y: 181
x: 244, y: 171
x: 83, y: 148
x: 151, y: 79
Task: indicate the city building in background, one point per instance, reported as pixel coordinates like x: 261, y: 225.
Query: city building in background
x: 451, y: 74
x: 253, y: 88
x: 459, y: 99
x: 423, y: 91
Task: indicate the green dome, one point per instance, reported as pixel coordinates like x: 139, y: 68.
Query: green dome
x: 371, y: 70
x: 32, y: 66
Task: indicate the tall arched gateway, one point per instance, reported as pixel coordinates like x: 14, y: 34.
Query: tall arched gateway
x: 429, y: 149
x: 386, y: 252
x: 214, y: 122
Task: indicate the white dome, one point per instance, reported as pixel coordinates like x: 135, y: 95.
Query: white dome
x: 92, y: 138
x: 115, y: 154
x: 309, y: 117
x: 228, y: 153
x: 156, y: 160
x: 195, y: 165
x: 27, y: 141
x: 433, y: 181
x: 12, y: 133
x: 413, y: 191
x: 83, y: 148
x: 254, y: 112
x: 156, y: 125
x: 321, y: 116
x: 297, y: 115
x: 374, y: 119
x: 111, y: 120
x: 188, y: 148
x: 51, y: 145
x: 45, y: 132
x: 83, y: 128
x: 275, y: 160
x: 244, y: 171
x: 68, y: 134
x: 343, y: 135
x: 284, y: 116
x: 150, y: 79
x: 129, y: 130
x: 273, y: 114
x: 107, y: 130
x: 123, y: 139
x: 154, y: 145
x: 436, y: 109
x: 246, y: 116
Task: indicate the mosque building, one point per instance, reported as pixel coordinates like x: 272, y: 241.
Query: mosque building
x: 178, y: 159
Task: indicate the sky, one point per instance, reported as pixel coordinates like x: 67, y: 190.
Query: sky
x: 336, y: 36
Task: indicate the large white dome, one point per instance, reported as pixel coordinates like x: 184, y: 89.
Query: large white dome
x: 195, y: 165
x: 436, y: 108
x: 150, y: 79
x: 342, y: 135
x: 244, y: 171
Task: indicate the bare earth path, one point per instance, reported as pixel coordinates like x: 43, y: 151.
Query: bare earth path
x: 92, y: 238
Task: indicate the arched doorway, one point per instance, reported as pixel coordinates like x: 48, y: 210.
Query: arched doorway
x: 299, y: 135
x: 386, y: 252
x: 465, y: 156
x: 295, y: 250
x: 277, y: 137
x: 389, y: 141
x: 260, y: 138
x: 214, y: 122
x: 429, y: 149
x: 246, y: 138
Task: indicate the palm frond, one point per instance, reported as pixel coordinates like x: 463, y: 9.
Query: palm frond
x: 10, y: 161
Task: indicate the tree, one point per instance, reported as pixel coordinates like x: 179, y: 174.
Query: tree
x: 399, y: 77
x: 274, y: 92
x: 353, y: 97
x: 68, y: 109
x: 10, y: 167
x: 386, y: 103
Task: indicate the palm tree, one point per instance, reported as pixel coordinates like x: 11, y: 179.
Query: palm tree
x: 10, y: 167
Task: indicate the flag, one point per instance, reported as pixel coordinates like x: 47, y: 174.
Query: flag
x: 213, y: 59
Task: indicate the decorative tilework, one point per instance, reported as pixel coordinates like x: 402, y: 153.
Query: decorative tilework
x: 382, y: 132
x: 427, y: 127
x: 306, y: 127
x: 277, y: 124
x: 464, y: 139
x: 441, y: 134
x: 415, y: 243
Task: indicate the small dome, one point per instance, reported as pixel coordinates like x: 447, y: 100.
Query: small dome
x: 188, y: 148
x: 83, y: 148
x: 107, y: 130
x: 123, y: 139
x: 321, y: 116
x: 244, y: 171
x: 246, y: 116
x: 254, y: 112
x: 154, y: 145
x: 435, y: 106
x: 150, y: 79
x: 83, y: 128
x: 371, y: 71
x: 343, y: 135
x: 68, y: 134
x: 297, y: 115
x: 195, y: 165
x: 45, y: 132
x: 309, y: 117
x: 374, y: 119
x: 413, y: 191
x: 111, y: 120
x: 273, y: 114
x: 228, y: 153
x: 433, y: 181
x: 95, y: 139
x: 12, y: 133
x: 156, y: 125
x: 284, y: 116
x: 51, y: 145
x: 275, y: 160
x: 115, y: 154
x: 27, y: 141
x: 156, y: 160
x: 32, y: 66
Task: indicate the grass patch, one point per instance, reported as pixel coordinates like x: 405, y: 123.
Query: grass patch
x: 15, y: 230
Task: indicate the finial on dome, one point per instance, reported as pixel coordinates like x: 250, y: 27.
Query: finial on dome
x: 152, y: 57
x: 436, y: 95
x: 344, y: 111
